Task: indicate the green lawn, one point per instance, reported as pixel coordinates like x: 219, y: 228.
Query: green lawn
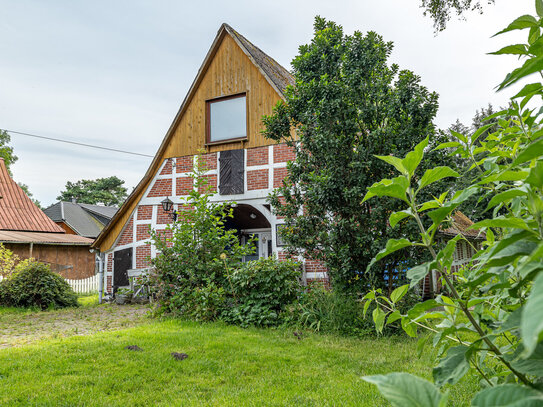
x: 227, y: 366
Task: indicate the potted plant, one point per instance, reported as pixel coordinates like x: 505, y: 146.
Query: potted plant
x: 123, y: 295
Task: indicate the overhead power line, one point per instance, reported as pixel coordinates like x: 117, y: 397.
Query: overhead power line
x: 76, y: 143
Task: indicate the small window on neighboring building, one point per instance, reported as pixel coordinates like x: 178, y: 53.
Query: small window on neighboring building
x: 226, y: 119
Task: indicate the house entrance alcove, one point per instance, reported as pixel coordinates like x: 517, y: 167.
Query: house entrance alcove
x: 249, y: 221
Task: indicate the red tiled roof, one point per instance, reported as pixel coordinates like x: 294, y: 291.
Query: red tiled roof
x: 17, y: 211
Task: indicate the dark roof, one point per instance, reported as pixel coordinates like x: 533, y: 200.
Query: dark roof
x: 84, y: 219
x: 17, y: 211
x: 103, y: 211
x: 272, y: 69
x: 44, y: 238
x: 460, y: 224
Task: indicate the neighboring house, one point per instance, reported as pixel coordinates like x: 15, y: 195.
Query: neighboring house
x: 28, y: 232
x: 79, y: 218
x: 222, y: 114
x: 465, y: 249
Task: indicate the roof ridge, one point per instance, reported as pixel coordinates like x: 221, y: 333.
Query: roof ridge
x: 278, y: 75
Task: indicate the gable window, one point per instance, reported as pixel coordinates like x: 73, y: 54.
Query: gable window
x: 226, y: 119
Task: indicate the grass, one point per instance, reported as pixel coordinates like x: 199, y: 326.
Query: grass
x: 227, y: 366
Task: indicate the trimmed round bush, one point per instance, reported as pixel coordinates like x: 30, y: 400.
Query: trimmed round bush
x: 34, y: 285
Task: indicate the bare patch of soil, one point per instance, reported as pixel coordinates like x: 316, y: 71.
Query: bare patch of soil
x: 20, y: 328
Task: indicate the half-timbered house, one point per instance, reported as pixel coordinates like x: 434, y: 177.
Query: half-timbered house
x: 222, y: 115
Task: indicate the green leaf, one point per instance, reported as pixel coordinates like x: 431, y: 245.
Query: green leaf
x: 366, y: 306
x: 413, y: 158
x: 395, y: 188
x: 417, y: 273
x: 508, y: 395
x: 533, y: 365
x: 535, y: 178
x: 405, y: 390
x: 398, y: 293
x: 392, y: 246
x: 449, y: 144
x: 525, y: 21
x: 379, y: 319
x: 502, y: 222
x: 534, y: 150
x: 409, y: 327
x: 429, y: 205
x: 530, y: 66
x: 460, y: 136
x: 393, y: 317
x: 420, y: 308
x: 529, y: 89
x: 452, y: 367
x: 516, y: 49
x: 394, y: 161
x: 398, y: 216
x: 539, y: 7
x: 435, y: 174
x: 504, y: 196
x: 532, y: 317
x: 441, y: 213
x: 505, y: 176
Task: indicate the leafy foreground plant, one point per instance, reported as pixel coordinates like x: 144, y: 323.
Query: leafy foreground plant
x: 490, y: 321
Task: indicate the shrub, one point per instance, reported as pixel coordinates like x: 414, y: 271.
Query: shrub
x: 34, y: 285
x: 191, y: 265
x: 7, y: 261
x: 261, y: 290
x: 329, y: 311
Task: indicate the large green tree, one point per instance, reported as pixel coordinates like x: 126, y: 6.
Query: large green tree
x: 348, y: 105
x: 106, y: 191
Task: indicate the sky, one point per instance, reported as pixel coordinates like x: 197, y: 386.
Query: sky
x: 114, y: 73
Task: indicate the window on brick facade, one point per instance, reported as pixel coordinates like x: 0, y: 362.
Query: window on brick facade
x: 231, y: 172
x: 226, y: 119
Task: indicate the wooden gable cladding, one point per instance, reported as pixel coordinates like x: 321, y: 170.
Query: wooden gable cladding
x: 230, y: 72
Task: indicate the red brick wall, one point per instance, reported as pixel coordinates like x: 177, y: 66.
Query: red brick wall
x: 315, y: 266
x: 109, y: 262
x: 165, y: 234
x: 211, y: 186
x: 210, y: 161
x: 184, y: 164
x: 257, y: 156
x: 128, y: 233
x: 278, y: 175
x: 183, y: 185
x: 162, y: 217
x: 142, y: 256
x: 162, y: 187
x: 142, y: 232
x: 257, y: 179
x: 283, y: 153
x: 108, y: 284
x: 145, y: 212
x: 167, y: 170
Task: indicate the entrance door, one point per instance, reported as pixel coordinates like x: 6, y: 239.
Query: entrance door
x: 262, y: 244
x: 122, y: 262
